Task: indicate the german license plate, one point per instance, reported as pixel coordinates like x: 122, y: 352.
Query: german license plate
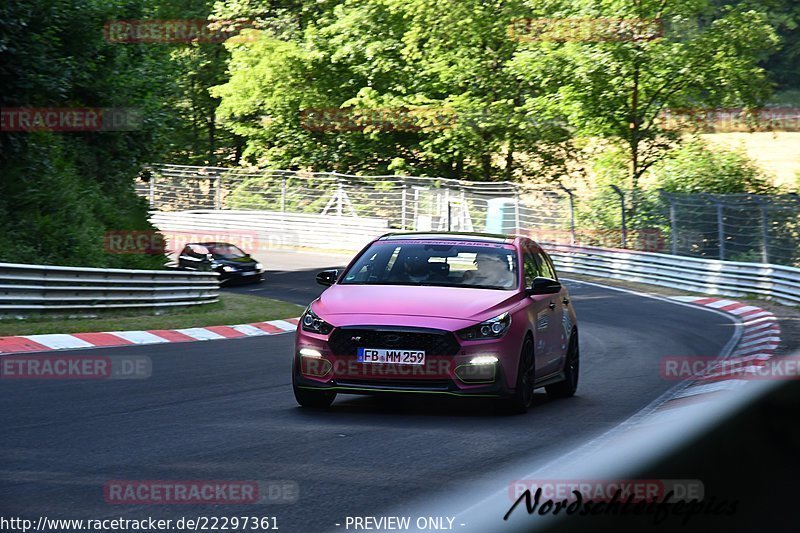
x: 387, y: 356
x: 249, y: 273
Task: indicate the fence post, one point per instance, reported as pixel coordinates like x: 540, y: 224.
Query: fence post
x: 404, y: 204
x: 448, y: 214
x: 340, y: 198
x: 218, y: 193
x: 447, y: 204
x: 571, y: 214
x: 673, y: 220
x: 624, y: 215
x: 283, y: 194
x: 516, y: 211
x: 764, y: 233
x: 463, y: 213
x: 152, y: 190
x: 720, y: 228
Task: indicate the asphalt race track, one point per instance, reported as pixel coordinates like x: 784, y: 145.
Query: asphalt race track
x: 224, y: 410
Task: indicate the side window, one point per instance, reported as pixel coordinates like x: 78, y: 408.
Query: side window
x: 550, y: 264
x: 545, y: 266
x: 531, y: 269
x: 365, y: 271
x: 198, y: 251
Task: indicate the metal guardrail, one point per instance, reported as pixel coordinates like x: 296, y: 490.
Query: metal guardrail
x: 708, y: 276
x: 50, y: 288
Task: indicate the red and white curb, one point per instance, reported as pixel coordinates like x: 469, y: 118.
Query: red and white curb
x: 760, y: 338
x: 73, y: 341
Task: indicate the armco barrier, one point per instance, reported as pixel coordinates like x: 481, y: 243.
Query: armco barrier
x: 708, y: 276
x: 50, y: 288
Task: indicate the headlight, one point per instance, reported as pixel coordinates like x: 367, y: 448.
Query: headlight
x: 490, y: 329
x: 311, y: 322
x: 259, y: 267
x: 228, y: 268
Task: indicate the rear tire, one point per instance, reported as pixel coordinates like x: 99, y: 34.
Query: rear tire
x: 522, y: 398
x: 315, y: 399
x: 567, y: 388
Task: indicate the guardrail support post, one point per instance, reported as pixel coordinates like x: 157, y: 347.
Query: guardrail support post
x: 218, y: 193
x: 516, y: 212
x: 283, y: 194
x: 624, y: 215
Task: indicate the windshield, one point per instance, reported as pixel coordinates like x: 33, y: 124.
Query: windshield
x: 225, y: 251
x: 441, y: 263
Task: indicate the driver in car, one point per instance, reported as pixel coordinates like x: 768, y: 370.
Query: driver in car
x: 415, y: 269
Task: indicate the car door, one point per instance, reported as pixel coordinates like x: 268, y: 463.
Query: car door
x: 541, y: 314
x: 185, y: 260
x: 193, y: 257
x: 556, y: 336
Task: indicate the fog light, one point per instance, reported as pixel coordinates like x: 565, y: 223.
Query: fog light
x: 315, y: 366
x: 480, y: 373
x: 483, y: 360
x: 310, y: 352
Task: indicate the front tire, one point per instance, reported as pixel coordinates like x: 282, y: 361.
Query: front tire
x: 315, y: 399
x: 522, y: 398
x: 567, y: 388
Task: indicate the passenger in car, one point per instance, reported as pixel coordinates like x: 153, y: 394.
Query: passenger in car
x: 489, y: 270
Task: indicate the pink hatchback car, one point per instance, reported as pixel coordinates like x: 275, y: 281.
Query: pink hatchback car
x: 461, y: 314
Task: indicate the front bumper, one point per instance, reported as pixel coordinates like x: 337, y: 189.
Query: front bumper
x: 240, y: 275
x: 323, y: 362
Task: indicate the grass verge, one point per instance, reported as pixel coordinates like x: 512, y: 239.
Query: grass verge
x: 230, y: 310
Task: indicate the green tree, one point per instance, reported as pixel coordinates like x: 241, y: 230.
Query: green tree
x: 392, y: 55
x: 618, y: 89
x: 60, y: 192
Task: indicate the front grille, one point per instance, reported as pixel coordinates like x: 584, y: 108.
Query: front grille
x: 347, y: 340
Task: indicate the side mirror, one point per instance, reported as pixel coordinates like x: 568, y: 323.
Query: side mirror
x: 543, y: 286
x: 209, y: 258
x: 327, y: 277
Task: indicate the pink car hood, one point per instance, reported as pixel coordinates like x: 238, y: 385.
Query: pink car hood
x: 460, y: 303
